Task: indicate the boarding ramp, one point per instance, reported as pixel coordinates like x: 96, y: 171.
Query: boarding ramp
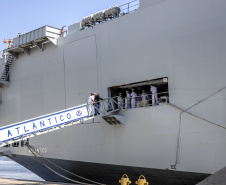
x: 21, y: 131
x: 109, y: 110
x: 44, y: 124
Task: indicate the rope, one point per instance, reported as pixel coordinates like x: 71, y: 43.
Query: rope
x: 186, y: 111
x: 204, y: 99
x: 196, y: 116
x: 66, y: 170
x: 60, y: 168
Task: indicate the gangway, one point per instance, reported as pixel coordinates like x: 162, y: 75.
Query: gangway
x: 109, y: 108
x: 21, y: 131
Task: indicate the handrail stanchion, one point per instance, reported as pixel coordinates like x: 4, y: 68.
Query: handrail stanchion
x: 128, y: 8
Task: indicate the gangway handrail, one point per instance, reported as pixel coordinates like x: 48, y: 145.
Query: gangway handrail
x: 46, y: 123
x: 110, y: 104
x: 107, y: 105
x: 42, y: 116
x: 43, y: 124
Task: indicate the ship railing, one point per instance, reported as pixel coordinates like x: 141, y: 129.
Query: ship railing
x: 3, y: 56
x: 123, y: 10
x: 111, y: 104
x: 104, y: 106
x: 129, y: 7
x: 145, y: 101
x: 2, y: 67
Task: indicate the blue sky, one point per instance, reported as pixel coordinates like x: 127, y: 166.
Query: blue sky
x: 27, y: 15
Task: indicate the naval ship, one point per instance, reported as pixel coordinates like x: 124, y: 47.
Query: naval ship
x: 178, y: 46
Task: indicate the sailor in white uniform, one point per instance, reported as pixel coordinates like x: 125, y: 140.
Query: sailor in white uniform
x: 90, y: 102
x: 119, y: 98
x: 127, y: 100
x: 144, y: 98
x: 93, y: 96
x: 133, y: 98
x: 153, y: 91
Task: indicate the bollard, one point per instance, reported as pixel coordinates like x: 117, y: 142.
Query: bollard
x: 125, y: 180
x: 141, y: 181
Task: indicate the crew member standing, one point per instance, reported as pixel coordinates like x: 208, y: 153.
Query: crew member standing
x: 138, y: 101
x: 127, y: 100
x: 93, y: 97
x: 97, y: 103
x: 90, y: 104
x: 153, y: 91
x: 133, y: 98
x: 144, y: 98
x: 119, y: 98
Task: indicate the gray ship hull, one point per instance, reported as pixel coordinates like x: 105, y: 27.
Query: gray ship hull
x: 183, y: 41
x: 106, y: 173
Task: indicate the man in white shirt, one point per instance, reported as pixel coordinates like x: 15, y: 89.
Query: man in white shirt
x: 119, y: 98
x: 133, y: 98
x: 144, y: 98
x: 127, y: 100
x: 153, y: 91
x: 90, y: 101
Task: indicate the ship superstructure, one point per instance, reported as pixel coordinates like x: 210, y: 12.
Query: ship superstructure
x: 179, y: 46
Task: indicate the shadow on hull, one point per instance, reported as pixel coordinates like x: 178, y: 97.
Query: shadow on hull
x: 107, y: 174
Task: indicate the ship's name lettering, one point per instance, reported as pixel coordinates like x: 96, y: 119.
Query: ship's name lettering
x: 42, y: 123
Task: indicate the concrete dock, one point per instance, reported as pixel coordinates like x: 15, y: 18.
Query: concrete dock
x: 28, y: 182
x: 218, y: 178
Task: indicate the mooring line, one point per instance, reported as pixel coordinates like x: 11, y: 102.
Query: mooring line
x: 29, y: 147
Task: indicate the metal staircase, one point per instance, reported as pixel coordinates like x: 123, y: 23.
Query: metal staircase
x: 110, y: 109
x: 114, y: 119
x: 5, y: 76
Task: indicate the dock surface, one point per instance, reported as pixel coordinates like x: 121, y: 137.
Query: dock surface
x: 28, y: 182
